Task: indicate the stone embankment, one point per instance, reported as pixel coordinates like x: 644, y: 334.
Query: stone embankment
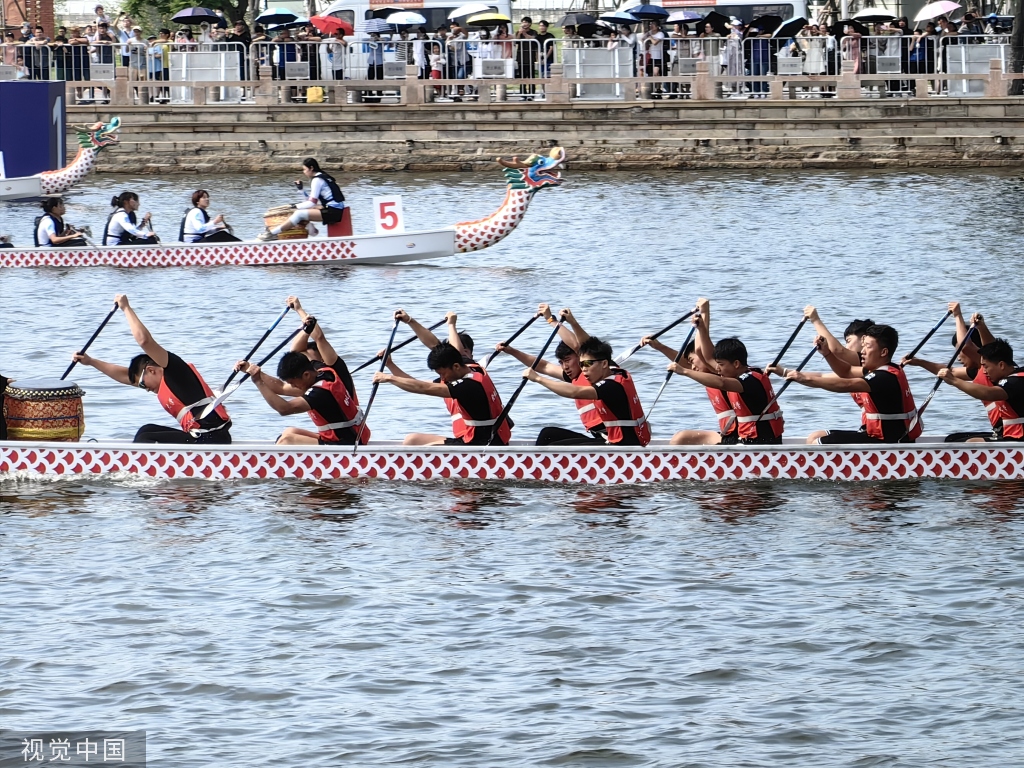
x: 609, y: 136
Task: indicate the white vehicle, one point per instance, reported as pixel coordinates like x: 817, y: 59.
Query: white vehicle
x: 744, y: 11
x: 434, y: 11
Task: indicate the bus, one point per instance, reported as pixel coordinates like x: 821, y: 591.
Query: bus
x: 744, y: 11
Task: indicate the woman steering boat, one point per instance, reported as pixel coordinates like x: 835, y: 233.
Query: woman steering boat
x: 325, y: 203
x: 198, y: 227
x: 51, y: 231
x: 123, y: 226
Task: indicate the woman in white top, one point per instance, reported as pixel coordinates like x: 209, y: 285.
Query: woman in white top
x: 123, y: 225
x: 198, y: 227
x: 51, y: 231
x: 325, y: 203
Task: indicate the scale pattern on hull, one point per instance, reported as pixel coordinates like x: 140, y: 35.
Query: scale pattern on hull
x: 599, y: 467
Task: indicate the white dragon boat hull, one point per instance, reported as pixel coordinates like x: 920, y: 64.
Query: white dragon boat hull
x: 602, y: 466
x: 21, y: 188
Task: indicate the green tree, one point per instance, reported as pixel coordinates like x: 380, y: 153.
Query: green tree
x: 160, y: 11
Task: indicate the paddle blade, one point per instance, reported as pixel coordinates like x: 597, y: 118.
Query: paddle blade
x: 220, y: 399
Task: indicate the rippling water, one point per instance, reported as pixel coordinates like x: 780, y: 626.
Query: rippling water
x: 293, y: 623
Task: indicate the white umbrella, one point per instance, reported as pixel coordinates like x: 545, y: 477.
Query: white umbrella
x: 940, y: 8
x: 405, y: 18
x: 469, y: 10
x: 374, y: 25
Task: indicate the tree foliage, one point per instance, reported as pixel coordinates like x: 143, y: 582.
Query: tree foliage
x: 159, y: 12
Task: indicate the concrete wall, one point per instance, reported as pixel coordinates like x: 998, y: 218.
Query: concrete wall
x: 855, y: 133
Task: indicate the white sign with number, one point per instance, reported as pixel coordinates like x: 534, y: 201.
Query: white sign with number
x: 387, y: 215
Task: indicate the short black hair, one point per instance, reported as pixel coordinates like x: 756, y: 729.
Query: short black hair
x: 138, y: 364
x: 563, y: 351
x: 444, y: 355
x: 293, y: 365
x: 49, y: 203
x: 467, y: 342
x: 885, y: 335
x: 526, y: 19
x: 974, y: 336
x: 857, y: 327
x: 597, y: 349
x: 689, y: 349
x: 998, y: 351
x: 731, y: 349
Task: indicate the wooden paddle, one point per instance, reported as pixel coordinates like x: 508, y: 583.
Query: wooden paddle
x: 915, y: 350
x: 397, y: 347
x: 668, y: 375
x: 787, y: 382
x: 788, y: 344
x: 938, y: 381
x: 92, y: 338
x: 522, y: 384
x: 256, y: 346
x: 376, y: 384
x: 511, y: 338
x: 623, y: 358
x: 306, y: 327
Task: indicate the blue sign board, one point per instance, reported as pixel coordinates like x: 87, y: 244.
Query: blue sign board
x: 32, y: 127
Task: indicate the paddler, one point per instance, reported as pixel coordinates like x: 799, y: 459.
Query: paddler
x: 1006, y: 391
x: 323, y: 388
x: 325, y: 203
x: 178, y: 386
x: 880, y: 388
x: 700, y: 355
x: 123, y: 226
x: 51, y: 231
x: 612, y: 392
x: 470, y: 395
x: 747, y: 390
x: 198, y: 227
x: 848, y: 353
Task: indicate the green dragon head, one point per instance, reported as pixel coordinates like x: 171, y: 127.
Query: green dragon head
x: 98, y: 135
x: 536, y: 172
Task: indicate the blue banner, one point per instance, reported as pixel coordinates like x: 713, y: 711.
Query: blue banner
x: 32, y: 127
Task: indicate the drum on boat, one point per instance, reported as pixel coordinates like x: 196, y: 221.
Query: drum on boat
x: 277, y: 216
x: 44, y: 409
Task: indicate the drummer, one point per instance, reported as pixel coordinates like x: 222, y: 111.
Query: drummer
x: 123, y: 225
x: 51, y: 231
x: 326, y: 201
x: 198, y: 227
x: 177, y: 385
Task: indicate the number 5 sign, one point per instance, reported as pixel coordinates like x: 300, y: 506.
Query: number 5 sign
x: 387, y: 215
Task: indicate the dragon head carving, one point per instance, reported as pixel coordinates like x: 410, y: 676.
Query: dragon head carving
x: 535, y: 172
x: 98, y: 135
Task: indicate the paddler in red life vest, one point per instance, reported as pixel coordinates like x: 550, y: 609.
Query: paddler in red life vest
x: 466, y: 384
x: 612, y: 392
x: 323, y: 388
x: 177, y: 384
x: 1006, y: 390
x: 747, y: 390
x: 887, y: 404
x: 848, y: 353
x: 971, y: 370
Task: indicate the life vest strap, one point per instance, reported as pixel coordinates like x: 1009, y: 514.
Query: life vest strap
x: 991, y: 407
x: 891, y: 416
x: 1011, y: 422
x: 187, y: 408
x: 627, y: 423
x: 586, y: 409
x: 762, y: 417
x: 488, y: 423
x: 358, y: 419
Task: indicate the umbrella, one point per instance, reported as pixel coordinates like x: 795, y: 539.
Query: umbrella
x: 470, y: 9
x: 331, y: 25
x: 488, y: 20
x: 620, y: 17
x: 683, y: 17
x: 766, y: 23
x: 718, y: 22
x: 405, y: 19
x: 276, y: 16
x: 592, y: 30
x: 383, y: 13
x: 375, y: 25
x: 932, y: 10
x: 648, y: 12
x: 873, y: 16
x: 575, y: 19
x: 791, y: 27
x: 299, y: 22
x: 838, y: 31
x: 195, y: 16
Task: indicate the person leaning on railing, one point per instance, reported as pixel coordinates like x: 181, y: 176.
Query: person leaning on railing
x: 10, y: 50
x: 238, y: 38
x: 36, y: 53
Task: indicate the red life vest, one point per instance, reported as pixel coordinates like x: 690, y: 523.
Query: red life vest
x: 747, y: 420
x: 872, y: 419
x: 991, y: 406
x: 859, y: 399
x: 1013, y: 422
x: 349, y: 406
x: 183, y: 413
x: 587, y: 409
x: 613, y: 424
x: 723, y: 410
x: 478, y: 374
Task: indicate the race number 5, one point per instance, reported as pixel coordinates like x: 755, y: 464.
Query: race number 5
x: 387, y: 215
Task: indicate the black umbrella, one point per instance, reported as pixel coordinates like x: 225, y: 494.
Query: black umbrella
x: 195, y: 15
x: 592, y: 30
x: 383, y: 13
x: 766, y: 23
x: 576, y: 19
x: 649, y: 12
x: 873, y: 16
x: 838, y: 31
x: 718, y: 22
x: 791, y: 27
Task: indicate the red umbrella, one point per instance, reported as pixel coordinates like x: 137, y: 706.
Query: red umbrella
x: 331, y: 24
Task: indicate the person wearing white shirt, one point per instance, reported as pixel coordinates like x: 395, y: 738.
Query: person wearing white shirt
x: 51, y: 231
x: 198, y: 227
x: 326, y: 201
x: 123, y: 226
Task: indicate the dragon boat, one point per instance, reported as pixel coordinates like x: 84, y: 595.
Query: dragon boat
x: 929, y: 457
x: 91, y: 140
x: 523, y: 178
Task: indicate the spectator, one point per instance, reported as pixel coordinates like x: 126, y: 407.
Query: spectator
x: 238, y: 38
x: 286, y: 51
x: 101, y: 17
x: 459, y: 56
x: 570, y: 37
x: 137, y: 49
x: 222, y: 22
x: 504, y: 38
x: 25, y: 34
x: 37, y: 54
x: 374, y: 63
x: 436, y: 67
x: 759, y: 50
x: 733, y: 52
x: 336, y: 54
x: 547, y: 48
x: 124, y: 34
x: 104, y: 44
x: 421, y: 54
x: 309, y: 50
x: 62, y: 55
x: 20, y: 70
x: 10, y: 50
x: 527, y: 53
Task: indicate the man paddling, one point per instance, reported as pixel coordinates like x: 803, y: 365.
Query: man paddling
x: 612, y: 392
x: 849, y: 352
x: 1006, y: 392
x: 881, y: 389
x: 475, y: 400
x: 321, y: 387
x: 177, y: 385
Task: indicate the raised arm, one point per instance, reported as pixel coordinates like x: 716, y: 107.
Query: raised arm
x: 425, y: 335
x: 578, y: 332
x: 563, y: 332
x: 562, y: 388
x: 416, y: 386
x: 118, y: 373
x: 141, y: 334
x: 836, y: 347
x: 453, y: 333
x: 653, y: 343
x: 548, y: 369
x: 984, y: 334
x: 970, y: 349
x: 960, y: 372
x: 702, y: 321
x: 272, y: 383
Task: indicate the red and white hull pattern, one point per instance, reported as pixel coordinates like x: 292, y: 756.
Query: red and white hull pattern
x: 364, y: 249
x: 604, y: 466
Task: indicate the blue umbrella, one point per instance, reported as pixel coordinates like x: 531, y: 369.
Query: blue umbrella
x: 648, y: 12
x: 277, y: 16
x: 620, y: 17
x: 374, y: 25
x: 195, y: 15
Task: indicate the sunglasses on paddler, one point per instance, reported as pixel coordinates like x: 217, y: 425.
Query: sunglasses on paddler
x: 587, y: 363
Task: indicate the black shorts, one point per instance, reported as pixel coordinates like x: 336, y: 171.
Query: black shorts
x: 857, y: 437
x: 761, y: 441
x: 963, y: 437
x: 732, y: 438
x: 331, y: 215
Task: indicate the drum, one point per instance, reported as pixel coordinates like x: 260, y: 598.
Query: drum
x: 44, y: 409
x: 279, y: 215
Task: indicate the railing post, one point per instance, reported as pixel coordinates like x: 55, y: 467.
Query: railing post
x: 921, y: 89
x: 702, y: 85
x: 775, y: 88
x: 198, y: 95
x: 264, y: 93
x: 412, y: 93
x: 119, y: 88
x: 556, y: 90
x: 995, y: 88
x: 849, y: 82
